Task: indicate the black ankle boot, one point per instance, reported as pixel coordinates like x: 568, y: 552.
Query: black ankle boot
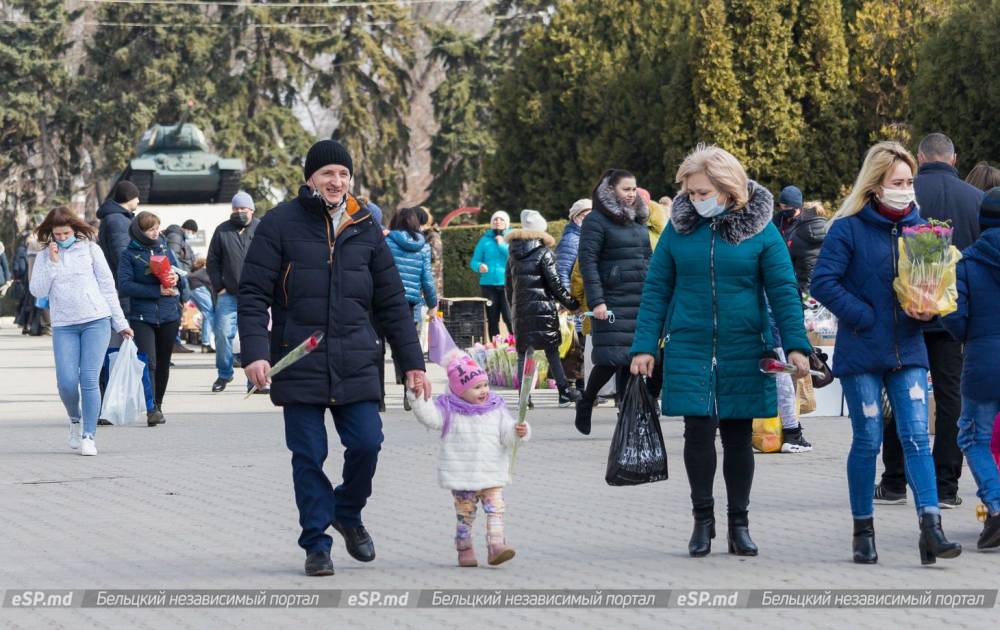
x: 701, y: 537
x: 740, y: 542
x: 864, y: 541
x: 933, y: 544
x: 990, y: 537
x: 584, y: 409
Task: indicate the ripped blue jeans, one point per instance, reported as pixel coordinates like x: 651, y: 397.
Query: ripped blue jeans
x: 907, y: 392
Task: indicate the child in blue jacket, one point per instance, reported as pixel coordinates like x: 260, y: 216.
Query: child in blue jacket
x: 975, y: 324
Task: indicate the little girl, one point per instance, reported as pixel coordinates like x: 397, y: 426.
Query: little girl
x: 477, y: 433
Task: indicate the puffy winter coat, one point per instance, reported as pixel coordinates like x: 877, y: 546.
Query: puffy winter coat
x: 80, y: 286
x: 494, y: 256
x: 532, y: 286
x: 177, y: 242
x: 112, y: 236
x: 566, y: 251
x: 475, y: 453
x: 413, y: 261
x: 975, y: 321
x: 314, y: 277
x: 614, y: 255
x: 853, y: 279
x: 146, y: 303
x: 804, y: 236
x: 226, y: 254
x: 705, y: 298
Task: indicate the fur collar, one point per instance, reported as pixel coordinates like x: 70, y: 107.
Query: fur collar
x: 530, y: 235
x: 735, y: 226
x: 607, y: 202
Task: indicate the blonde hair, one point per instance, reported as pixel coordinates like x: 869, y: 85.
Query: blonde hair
x: 199, y: 262
x: 880, y: 159
x: 817, y: 207
x: 722, y: 169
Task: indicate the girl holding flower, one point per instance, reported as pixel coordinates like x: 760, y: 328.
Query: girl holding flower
x: 879, y: 344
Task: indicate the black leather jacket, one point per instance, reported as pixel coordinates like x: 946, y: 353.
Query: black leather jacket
x: 533, y: 286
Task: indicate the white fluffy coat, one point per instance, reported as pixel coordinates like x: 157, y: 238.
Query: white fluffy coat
x: 475, y: 454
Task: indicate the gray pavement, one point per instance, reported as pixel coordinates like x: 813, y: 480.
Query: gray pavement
x: 205, y: 501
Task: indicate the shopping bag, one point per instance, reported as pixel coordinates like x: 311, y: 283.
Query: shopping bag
x: 439, y: 342
x: 805, y: 395
x: 125, y: 400
x: 567, y: 332
x: 767, y: 436
x: 637, y: 454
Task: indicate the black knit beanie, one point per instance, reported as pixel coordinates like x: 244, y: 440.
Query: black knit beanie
x: 327, y: 152
x: 989, y: 210
x: 125, y: 191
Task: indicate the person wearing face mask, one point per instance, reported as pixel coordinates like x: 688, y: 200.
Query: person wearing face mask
x: 226, y: 253
x: 940, y: 195
x: 614, y: 254
x: 717, y: 265
x: 319, y: 262
x: 83, y: 303
x: 879, y: 345
x: 489, y: 260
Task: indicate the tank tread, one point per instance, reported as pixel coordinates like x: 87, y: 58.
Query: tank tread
x: 229, y: 185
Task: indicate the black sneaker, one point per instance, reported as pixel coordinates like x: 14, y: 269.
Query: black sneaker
x: 795, y: 443
x: 990, y: 536
x: 359, y: 542
x: 949, y: 503
x: 568, y: 396
x: 220, y: 385
x: 104, y: 423
x: 884, y: 496
x: 319, y: 564
x: 154, y: 418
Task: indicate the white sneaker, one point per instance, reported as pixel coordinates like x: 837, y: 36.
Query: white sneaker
x: 87, y: 446
x: 75, y: 429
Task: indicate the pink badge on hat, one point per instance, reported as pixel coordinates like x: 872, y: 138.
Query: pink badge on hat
x: 464, y: 373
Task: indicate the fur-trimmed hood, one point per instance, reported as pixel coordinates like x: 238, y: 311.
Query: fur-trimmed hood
x: 607, y: 202
x: 734, y: 226
x: 544, y: 238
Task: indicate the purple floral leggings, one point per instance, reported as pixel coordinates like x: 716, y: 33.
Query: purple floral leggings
x: 465, y: 510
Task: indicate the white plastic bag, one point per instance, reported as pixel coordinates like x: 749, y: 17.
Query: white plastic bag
x: 124, y: 398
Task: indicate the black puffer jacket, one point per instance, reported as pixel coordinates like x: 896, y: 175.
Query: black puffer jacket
x: 314, y: 278
x: 532, y: 285
x: 614, y: 255
x: 804, y: 236
x: 177, y: 242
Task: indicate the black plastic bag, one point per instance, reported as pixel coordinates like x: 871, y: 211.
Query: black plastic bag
x: 637, y: 453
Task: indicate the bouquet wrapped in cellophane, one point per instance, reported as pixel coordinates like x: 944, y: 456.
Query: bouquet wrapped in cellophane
x: 925, y: 280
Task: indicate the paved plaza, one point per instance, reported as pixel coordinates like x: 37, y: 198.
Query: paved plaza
x: 205, y: 502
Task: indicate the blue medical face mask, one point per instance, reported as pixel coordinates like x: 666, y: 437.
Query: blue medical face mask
x: 708, y: 208
x: 67, y: 243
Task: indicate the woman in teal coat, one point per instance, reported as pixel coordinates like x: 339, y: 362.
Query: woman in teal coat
x: 489, y: 260
x: 704, y: 298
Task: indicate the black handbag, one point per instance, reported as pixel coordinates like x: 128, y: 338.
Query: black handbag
x: 818, y: 362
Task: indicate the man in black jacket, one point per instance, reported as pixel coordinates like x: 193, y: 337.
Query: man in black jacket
x: 803, y: 232
x: 320, y: 264
x: 116, y: 214
x: 225, y: 263
x: 941, y: 195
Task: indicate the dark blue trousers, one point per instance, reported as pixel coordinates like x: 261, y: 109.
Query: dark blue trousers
x: 360, y: 429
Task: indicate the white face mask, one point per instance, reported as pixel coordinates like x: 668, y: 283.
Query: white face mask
x: 898, y: 199
x: 708, y: 208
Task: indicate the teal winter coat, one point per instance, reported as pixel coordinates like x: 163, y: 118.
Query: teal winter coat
x: 704, y: 298
x: 494, y: 256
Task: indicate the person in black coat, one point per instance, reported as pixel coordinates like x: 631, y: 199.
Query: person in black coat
x: 614, y: 256
x: 943, y: 196
x: 319, y: 263
x: 533, y: 286
x: 803, y: 232
x: 116, y: 214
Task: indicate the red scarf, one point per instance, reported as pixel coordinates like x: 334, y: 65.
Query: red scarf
x: 892, y: 214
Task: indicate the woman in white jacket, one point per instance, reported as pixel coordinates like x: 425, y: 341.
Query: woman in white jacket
x: 477, y: 433
x: 72, y: 274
